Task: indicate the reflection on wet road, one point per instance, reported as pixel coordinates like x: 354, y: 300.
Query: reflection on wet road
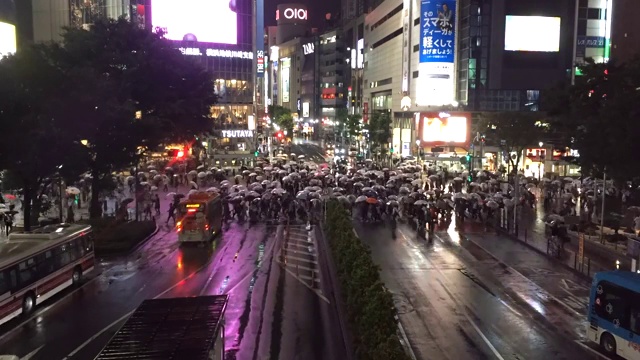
x: 458, y: 301
x: 269, y: 314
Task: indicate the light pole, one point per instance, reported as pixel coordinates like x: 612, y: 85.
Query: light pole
x: 540, y: 158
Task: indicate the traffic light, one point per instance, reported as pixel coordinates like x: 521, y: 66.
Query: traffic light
x: 468, y: 157
x: 180, y: 154
x: 391, y: 150
x: 256, y: 153
x: 279, y: 134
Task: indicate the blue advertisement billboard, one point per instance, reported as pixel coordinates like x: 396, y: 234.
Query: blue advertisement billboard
x: 260, y: 63
x: 437, y: 31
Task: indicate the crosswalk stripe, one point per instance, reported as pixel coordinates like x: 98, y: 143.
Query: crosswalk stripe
x: 296, y: 258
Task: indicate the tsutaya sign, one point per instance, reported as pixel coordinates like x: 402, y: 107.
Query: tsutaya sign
x: 218, y: 53
x: 237, y: 133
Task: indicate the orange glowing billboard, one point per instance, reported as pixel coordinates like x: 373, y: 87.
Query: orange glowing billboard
x: 444, y: 128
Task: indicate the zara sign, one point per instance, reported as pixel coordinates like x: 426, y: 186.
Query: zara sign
x: 308, y: 48
x: 237, y: 133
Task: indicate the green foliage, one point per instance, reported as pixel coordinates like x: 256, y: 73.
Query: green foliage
x: 379, y: 127
x: 33, y: 146
x: 513, y: 131
x: 354, y: 125
x: 282, y: 117
x: 369, y: 305
x: 89, y: 89
x: 598, y: 117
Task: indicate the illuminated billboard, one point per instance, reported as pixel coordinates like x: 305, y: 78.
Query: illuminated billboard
x: 436, y: 84
x: 204, y: 21
x: 285, y: 81
x: 444, y: 128
x: 7, y: 39
x: 532, y: 33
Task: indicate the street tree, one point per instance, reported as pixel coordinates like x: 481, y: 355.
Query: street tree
x: 282, y: 117
x: 133, y: 92
x: 35, y: 148
x: 597, y: 116
x: 379, y: 128
x: 512, y: 132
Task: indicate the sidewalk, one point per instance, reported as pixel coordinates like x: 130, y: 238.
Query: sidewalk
x: 597, y: 257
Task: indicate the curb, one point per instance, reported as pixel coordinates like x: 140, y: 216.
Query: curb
x: 514, y: 238
x: 144, y: 241
x: 337, y: 294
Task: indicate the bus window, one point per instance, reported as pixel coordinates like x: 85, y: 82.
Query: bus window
x: 4, y: 286
x: 634, y: 320
x: 62, y: 257
x: 13, y: 279
x: 613, y: 303
x: 27, y: 271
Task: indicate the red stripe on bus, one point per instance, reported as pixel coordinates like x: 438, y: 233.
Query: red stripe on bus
x: 90, y: 262
x: 54, y: 282
x: 10, y: 307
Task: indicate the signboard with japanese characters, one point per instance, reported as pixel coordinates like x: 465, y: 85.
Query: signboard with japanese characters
x: 437, y: 31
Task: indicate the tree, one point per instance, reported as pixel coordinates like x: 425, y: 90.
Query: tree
x: 379, y: 129
x: 132, y: 91
x: 282, y: 117
x: 598, y: 117
x: 512, y: 131
x: 34, y: 147
x: 354, y: 125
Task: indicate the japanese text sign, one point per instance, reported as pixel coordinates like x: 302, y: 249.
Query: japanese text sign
x: 437, y: 30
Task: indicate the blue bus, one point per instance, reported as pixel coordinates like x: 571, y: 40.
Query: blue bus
x: 614, y: 313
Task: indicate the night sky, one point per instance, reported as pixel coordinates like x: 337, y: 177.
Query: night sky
x: 317, y: 10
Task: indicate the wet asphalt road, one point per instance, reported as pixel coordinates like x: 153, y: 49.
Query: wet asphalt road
x: 271, y: 314
x: 310, y: 149
x: 456, y: 300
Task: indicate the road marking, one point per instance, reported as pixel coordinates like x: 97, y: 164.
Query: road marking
x: 31, y: 354
x: 405, y: 339
x: 545, y: 292
x: 305, y: 284
x: 95, y: 336
x: 463, y: 309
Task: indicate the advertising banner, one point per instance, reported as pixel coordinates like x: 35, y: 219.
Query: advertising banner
x: 284, y: 75
x: 435, y: 84
x: 305, y: 109
x: 7, y: 39
x: 444, y: 128
x: 202, y: 21
x: 437, y: 30
x: 260, y: 38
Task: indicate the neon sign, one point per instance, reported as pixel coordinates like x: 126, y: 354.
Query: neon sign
x: 292, y: 14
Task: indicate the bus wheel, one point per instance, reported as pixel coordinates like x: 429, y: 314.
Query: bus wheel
x: 28, y: 304
x: 608, y: 343
x: 76, y: 277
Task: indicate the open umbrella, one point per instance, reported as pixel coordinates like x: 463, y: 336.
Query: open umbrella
x: 372, y: 201
x: 72, y: 190
x: 361, y: 199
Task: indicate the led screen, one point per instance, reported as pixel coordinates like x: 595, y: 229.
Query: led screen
x: 532, y: 33
x: 443, y: 128
x: 206, y: 21
x: 7, y: 39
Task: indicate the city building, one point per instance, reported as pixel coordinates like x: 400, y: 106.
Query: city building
x: 332, y: 69
x: 625, y: 33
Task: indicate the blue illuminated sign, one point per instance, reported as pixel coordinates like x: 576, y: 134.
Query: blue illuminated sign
x: 437, y: 31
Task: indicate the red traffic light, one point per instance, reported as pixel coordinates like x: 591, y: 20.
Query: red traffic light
x: 180, y: 154
x: 279, y: 134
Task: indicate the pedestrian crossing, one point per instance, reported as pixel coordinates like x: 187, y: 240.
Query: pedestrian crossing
x: 299, y: 256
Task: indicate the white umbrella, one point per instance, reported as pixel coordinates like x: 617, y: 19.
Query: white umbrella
x: 73, y: 190
x: 361, y: 199
x: 213, y: 189
x: 154, y: 188
x: 202, y: 175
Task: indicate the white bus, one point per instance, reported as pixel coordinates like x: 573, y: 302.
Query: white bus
x: 36, y: 265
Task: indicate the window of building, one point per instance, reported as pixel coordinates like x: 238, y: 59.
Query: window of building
x: 387, y: 17
x: 386, y: 38
x: 416, y: 47
x: 416, y: 74
x: 593, y: 14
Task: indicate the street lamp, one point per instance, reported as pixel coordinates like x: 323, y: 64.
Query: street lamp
x: 540, y: 144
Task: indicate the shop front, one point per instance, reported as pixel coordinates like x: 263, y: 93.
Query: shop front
x: 233, y: 147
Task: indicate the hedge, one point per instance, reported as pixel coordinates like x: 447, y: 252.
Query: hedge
x: 370, y: 309
x: 122, y: 237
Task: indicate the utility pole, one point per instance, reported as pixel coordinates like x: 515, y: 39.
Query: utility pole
x: 604, y: 187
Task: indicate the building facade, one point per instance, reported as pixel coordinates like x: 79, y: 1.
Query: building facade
x: 625, y: 33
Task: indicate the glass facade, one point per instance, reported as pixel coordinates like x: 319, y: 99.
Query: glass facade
x: 473, y: 50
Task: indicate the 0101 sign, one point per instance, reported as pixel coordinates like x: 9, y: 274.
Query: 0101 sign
x: 292, y: 14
